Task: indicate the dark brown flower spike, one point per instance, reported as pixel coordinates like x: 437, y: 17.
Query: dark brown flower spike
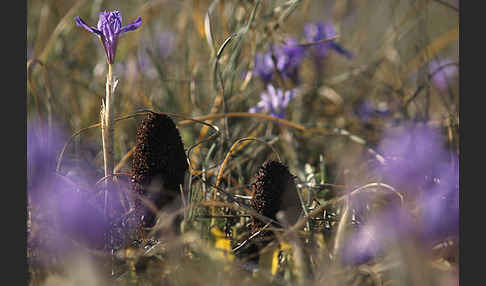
x: 159, y: 165
x: 274, y: 190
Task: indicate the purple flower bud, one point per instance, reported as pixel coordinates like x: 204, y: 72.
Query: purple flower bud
x: 274, y: 101
x: 109, y: 28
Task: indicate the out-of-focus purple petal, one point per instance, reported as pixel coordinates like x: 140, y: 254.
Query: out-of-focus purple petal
x: 65, y: 206
x: 264, y: 67
x: 364, y: 246
x: 441, y: 72
x: 315, y: 32
x: 289, y: 57
x: 341, y: 50
x: 440, y: 204
x: 419, y: 166
x: 165, y: 43
x: 374, y: 237
x: 260, y: 106
x: 412, y: 153
x: 329, y: 30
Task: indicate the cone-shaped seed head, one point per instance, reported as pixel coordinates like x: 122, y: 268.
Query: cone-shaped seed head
x: 159, y: 163
x: 274, y: 189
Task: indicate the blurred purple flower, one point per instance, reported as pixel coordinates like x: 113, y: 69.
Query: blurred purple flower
x: 288, y: 58
x: 439, y: 204
x: 62, y: 206
x: 412, y: 154
x: 109, y: 28
x: 165, y: 44
x: 420, y: 167
x: 371, y: 239
x: 315, y: 32
x: 367, y: 109
x: 274, y: 102
x: 442, y: 71
x: 264, y: 66
x: 159, y: 47
x: 364, y: 245
x: 43, y: 147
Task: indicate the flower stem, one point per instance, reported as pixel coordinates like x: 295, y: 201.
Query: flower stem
x: 107, y: 133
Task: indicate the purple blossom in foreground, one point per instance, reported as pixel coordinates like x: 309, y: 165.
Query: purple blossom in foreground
x: 274, y: 102
x: 372, y: 238
x: 286, y: 59
x: 423, y: 170
x: 63, y: 205
x: 441, y: 72
x: 43, y: 147
x: 315, y: 32
x: 109, y: 28
x: 439, y: 204
x: 413, y: 152
x: 364, y: 245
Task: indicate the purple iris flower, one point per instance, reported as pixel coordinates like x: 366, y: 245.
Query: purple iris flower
x: 442, y: 71
x: 315, y: 32
x: 274, y: 101
x: 109, y: 29
x: 285, y: 58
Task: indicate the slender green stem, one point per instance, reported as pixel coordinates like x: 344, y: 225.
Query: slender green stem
x: 107, y: 133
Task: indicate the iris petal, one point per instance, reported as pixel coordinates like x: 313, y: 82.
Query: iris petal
x: 133, y: 26
x: 82, y: 24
